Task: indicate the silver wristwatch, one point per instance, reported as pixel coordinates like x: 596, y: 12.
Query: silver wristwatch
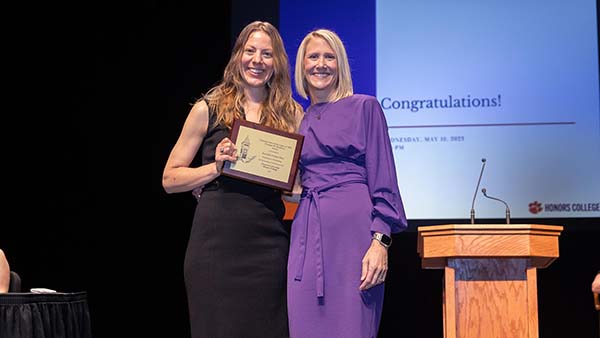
x: 384, y: 239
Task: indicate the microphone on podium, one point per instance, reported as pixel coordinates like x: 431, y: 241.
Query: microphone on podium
x: 476, y: 189
x: 484, y: 191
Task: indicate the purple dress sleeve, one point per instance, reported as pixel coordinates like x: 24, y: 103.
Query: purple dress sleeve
x: 388, y: 210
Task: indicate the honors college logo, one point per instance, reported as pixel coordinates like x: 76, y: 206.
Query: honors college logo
x: 535, y: 207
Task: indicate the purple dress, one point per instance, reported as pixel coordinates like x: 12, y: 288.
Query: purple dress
x: 349, y: 191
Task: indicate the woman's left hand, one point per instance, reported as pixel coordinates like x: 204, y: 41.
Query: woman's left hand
x: 374, y: 266
x: 225, y: 151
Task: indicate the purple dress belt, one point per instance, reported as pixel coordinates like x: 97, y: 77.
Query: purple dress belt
x: 313, y: 195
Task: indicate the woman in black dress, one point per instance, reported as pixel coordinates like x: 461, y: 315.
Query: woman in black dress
x: 235, y: 264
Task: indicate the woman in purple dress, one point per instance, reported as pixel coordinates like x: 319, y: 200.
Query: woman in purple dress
x: 349, y: 205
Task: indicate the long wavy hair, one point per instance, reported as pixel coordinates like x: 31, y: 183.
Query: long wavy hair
x: 279, y: 109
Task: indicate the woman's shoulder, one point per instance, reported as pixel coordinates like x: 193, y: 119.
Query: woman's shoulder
x: 366, y: 105
x: 364, y: 98
x: 200, y: 104
x: 199, y: 113
x: 364, y: 101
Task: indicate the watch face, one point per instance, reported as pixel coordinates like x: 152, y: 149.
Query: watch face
x: 387, y: 240
x: 383, y: 239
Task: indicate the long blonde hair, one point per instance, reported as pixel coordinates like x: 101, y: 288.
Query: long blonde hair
x: 279, y: 109
x: 343, y: 85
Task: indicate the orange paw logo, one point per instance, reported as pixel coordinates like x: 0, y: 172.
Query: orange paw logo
x: 535, y: 207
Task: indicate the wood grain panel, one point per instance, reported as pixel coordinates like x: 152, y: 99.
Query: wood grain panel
x: 490, y: 275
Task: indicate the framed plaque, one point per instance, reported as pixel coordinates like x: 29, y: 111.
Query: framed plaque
x: 266, y: 155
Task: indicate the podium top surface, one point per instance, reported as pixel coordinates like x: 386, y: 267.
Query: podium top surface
x: 484, y: 227
x: 437, y: 243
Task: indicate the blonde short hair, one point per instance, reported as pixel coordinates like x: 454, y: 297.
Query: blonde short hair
x: 343, y: 84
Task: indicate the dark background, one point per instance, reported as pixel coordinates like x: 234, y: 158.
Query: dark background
x: 97, y: 95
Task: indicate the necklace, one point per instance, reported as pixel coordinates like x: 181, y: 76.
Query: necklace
x: 322, y: 111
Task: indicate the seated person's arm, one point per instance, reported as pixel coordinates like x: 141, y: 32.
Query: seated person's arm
x: 596, y: 283
x: 4, y: 273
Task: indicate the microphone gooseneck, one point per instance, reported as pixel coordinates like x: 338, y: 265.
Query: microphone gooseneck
x: 476, y: 189
x: 484, y: 191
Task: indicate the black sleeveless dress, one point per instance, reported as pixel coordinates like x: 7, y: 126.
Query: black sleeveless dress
x: 236, y: 258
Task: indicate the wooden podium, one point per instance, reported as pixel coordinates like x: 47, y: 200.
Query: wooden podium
x: 490, y: 275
